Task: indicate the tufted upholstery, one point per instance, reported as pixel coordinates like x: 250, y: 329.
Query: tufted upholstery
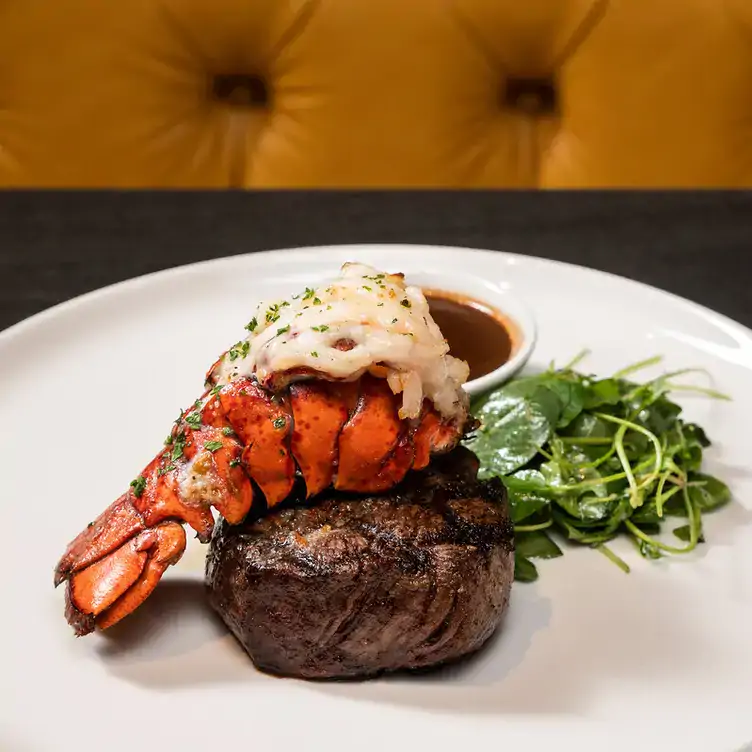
x: 376, y: 93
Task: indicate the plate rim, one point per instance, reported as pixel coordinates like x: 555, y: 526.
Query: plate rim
x: 40, y: 318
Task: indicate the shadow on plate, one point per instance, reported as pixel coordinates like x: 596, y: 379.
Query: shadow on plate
x: 174, y: 640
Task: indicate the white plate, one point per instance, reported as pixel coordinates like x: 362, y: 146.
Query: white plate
x: 590, y: 658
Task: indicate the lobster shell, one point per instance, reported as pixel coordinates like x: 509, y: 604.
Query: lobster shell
x: 240, y: 446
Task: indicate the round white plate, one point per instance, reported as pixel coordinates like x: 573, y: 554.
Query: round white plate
x: 589, y: 658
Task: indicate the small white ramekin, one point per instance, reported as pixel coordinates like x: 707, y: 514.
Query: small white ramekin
x: 513, y: 312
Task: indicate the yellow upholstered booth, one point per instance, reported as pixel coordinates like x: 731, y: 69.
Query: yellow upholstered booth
x: 375, y: 93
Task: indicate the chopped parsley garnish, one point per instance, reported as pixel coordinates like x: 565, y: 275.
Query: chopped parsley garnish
x: 314, y: 354
x: 252, y: 324
x: 169, y: 440
x: 309, y: 293
x: 138, y: 485
x: 193, y: 420
x: 279, y: 423
x: 212, y: 446
x: 178, y: 446
x: 239, y: 349
x: 227, y: 431
x: 405, y: 303
x: 272, y: 314
x: 217, y: 389
x: 379, y: 305
x: 394, y: 321
x: 317, y: 301
x: 283, y: 329
x: 164, y: 470
x: 322, y: 328
x: 234, y: 463
x: 367, y: 288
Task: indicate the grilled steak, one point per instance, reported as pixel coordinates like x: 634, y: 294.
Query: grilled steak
x: 357, y: 586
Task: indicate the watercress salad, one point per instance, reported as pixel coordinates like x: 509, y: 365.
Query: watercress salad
x: 590, y: 459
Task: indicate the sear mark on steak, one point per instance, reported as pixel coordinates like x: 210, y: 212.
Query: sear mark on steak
x: 354, y: 586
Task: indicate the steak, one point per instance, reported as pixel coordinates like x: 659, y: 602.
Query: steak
x: 355, y: 586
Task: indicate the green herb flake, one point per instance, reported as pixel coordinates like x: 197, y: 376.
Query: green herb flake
x: 138, y: 485
x: 178, y: 446
x: 239, y: 350
x: 405, y: 303
x: 309, y: 293
x: 194, y: 420
x: 283, y: 329
x: 322, y: 328
x: 279, y: 423
x: 314, y: 354
x: 234, y: 463
x: 213, y: 446
x: 252, y: 325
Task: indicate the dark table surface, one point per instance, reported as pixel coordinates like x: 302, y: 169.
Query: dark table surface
x: 54, y: 246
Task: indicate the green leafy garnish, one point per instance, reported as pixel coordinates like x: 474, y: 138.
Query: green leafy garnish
x: 590, y: 459
x: 178, y: 445
x: 194, y: 420
x: 212, y: 446
x: 252, y: 324
x: 138, y: 485
x: 239, y: 349
x: 279, y: 423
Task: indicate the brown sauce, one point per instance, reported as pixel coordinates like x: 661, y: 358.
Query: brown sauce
x: 476, y: 333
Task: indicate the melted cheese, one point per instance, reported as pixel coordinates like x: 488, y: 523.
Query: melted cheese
x: 364, y: 320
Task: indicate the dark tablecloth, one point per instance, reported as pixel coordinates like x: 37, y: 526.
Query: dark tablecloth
x: 54, y: 246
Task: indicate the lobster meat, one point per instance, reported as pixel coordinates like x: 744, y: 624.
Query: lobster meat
x: 295, y: 403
